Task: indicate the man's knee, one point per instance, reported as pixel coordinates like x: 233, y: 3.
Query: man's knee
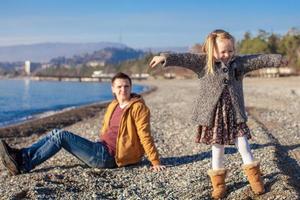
x: 55, y: 132
x: 57, y: 135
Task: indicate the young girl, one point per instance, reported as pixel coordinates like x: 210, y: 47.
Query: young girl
x: 219, y: 111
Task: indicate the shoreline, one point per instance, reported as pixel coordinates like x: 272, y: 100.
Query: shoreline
x: 58, y: 119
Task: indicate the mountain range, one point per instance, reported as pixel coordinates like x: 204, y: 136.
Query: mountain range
x: 44, y: 52
x: 108, y: 55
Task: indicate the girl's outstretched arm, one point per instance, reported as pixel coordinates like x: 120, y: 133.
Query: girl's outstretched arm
x: 258, y: 61
x: 194, y: 62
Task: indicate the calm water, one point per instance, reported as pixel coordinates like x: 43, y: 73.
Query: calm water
x: 22, y: 99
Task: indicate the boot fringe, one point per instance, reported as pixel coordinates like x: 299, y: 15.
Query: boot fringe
x: 215, y: 172
x: 251, y: 165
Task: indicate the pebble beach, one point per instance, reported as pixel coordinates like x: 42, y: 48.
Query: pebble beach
x: 273, y: 106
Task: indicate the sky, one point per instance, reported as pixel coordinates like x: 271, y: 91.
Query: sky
x: 140, y: 23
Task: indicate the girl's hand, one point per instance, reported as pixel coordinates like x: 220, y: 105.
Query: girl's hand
x: 157, y: 60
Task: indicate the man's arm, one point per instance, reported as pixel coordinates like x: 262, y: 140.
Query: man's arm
x: 142, y: 122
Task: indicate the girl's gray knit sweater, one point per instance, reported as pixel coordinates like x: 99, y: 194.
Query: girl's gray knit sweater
x: 211, y: 85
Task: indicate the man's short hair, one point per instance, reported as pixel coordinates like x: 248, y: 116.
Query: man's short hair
x: 120, y: 75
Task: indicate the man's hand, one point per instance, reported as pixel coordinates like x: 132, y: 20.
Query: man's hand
x: 97, y: 140
x: 158, y: 168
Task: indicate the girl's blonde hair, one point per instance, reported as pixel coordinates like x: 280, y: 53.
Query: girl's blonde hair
x: 210, y: 45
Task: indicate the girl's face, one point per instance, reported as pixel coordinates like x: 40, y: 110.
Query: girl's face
x: 224, y: 50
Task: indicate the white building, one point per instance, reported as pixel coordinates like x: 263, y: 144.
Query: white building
x: 97, y: 73
x: 27, y: 67
x: 96, y: 63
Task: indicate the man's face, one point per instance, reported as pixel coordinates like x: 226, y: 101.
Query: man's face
x: 122, y: 89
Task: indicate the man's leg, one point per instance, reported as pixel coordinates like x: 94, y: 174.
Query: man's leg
x: 91, y: 153
x: 35, y: 146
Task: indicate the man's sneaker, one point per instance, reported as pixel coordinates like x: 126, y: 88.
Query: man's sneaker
x: 10, y: 158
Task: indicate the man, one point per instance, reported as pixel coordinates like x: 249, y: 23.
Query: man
x: 124, y: 139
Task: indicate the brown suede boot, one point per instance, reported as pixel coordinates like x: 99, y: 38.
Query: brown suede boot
x: 253, y: 174
x: 217, y: 178
x: 10, y: 157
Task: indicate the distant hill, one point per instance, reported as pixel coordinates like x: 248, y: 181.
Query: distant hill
x: 106, y: 60
x: 108, y: 55
x: 44, y: 52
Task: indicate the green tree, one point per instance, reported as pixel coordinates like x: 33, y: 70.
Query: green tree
x: 253, y: 45
x: 273, y: 43
x: 290, y: 46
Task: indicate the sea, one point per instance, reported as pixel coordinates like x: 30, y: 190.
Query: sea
x: 24, y: 99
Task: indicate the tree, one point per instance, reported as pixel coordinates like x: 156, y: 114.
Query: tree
x: 253, y: 45
x: 273, y: 43
x: 290, y: 46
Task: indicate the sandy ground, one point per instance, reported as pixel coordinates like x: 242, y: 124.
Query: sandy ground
x: 273, y: 109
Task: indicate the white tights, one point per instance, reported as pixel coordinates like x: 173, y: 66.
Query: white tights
x: 241, y: 144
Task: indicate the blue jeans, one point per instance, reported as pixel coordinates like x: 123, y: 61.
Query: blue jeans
x: 94, y: 154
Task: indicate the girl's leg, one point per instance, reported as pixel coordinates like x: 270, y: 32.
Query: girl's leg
x: 217, y: 174
x: 243, y: 147
x: 217, y: 156
x: 251, y: 168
